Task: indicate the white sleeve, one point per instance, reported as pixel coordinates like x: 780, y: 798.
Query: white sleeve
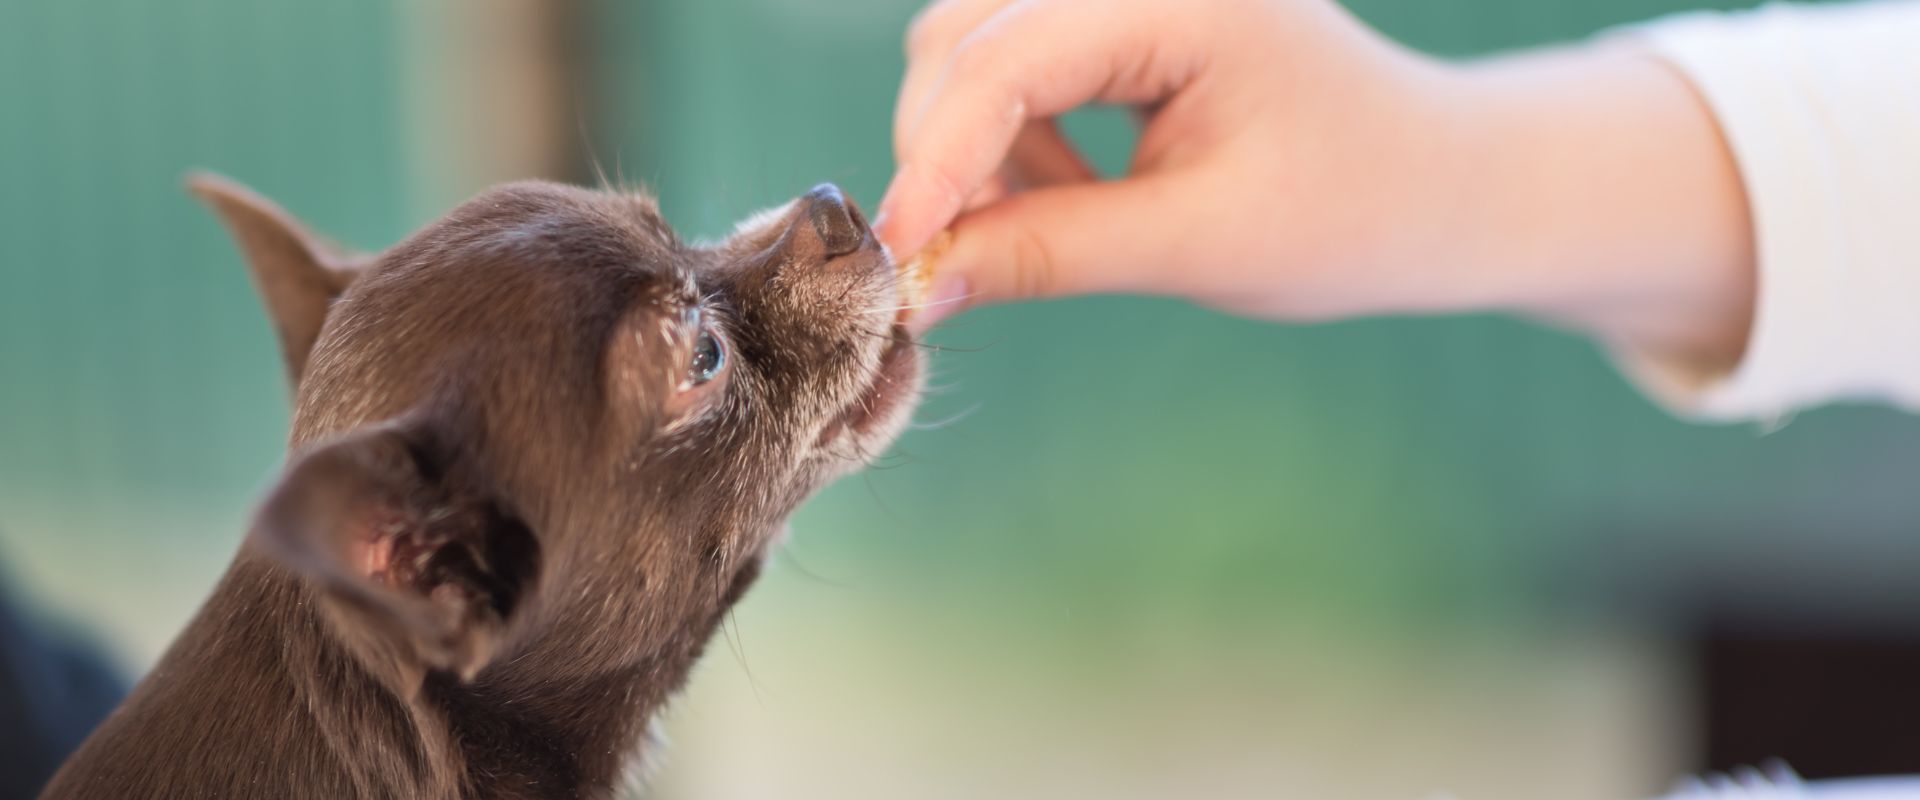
x: 1753, y: 785
x: 1821, y: 106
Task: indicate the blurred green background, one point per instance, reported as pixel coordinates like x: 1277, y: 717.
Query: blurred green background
x: 1150, y: 552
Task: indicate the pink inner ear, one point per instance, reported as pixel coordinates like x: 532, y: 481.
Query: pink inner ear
x: 370, y: 554
x: 374, y: 540
x: 389, y: 545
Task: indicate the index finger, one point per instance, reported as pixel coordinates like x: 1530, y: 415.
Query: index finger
x: 931, y: 37
x: 1032, y: 60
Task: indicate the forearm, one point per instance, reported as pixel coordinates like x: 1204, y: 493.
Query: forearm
x: 1614, y: 203
x: 1593, y: 189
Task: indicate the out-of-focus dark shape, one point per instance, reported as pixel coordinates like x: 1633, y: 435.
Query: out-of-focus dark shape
x: 1832, y: 703
x: 54, y: 688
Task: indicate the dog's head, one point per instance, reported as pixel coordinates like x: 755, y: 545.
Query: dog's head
x: 545, y: 427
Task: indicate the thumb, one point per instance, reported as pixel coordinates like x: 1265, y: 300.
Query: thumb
x: 1072, y: 239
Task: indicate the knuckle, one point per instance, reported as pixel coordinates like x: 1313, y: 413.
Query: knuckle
x: 1036, y: 274
x: 942, y: 178
x: 973, y: 56
x: 927, y: 29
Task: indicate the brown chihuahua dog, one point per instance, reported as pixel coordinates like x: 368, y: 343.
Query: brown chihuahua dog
x: 539, y: 449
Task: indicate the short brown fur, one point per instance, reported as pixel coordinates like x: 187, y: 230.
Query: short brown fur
x: 514, y: 514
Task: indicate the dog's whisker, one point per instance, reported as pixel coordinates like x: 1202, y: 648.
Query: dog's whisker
x: 947, y: 421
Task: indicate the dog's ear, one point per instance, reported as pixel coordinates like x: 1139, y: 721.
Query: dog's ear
x: 297, y: 273
x: 420, y: 567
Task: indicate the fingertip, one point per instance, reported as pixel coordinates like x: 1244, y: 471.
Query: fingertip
x: 885, y: 229
x: 978, y: 253
x: 912, y: 211
x: 886, y: 223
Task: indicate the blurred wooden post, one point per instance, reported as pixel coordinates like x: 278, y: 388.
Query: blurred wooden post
x: 495, y: 91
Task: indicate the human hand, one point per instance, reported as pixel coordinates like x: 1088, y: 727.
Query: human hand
x: 1295, y: 165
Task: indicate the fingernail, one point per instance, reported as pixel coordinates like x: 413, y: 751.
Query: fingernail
x: 885, y: 216
x: 949, y: 297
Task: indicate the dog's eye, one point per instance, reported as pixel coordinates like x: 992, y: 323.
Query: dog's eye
x: 708, y: 358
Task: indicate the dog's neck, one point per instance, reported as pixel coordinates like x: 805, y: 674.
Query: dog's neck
x: 319, y: 721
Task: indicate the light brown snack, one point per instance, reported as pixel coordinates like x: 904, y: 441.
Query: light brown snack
x: 916, y: 275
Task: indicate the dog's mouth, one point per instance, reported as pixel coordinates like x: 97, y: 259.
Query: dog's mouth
x: 896, y: 377
x: 894, y: 381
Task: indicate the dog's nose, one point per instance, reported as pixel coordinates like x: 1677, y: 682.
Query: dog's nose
x: 838, y: 224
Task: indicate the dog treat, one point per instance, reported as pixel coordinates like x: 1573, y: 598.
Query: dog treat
x: 916, y: 274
